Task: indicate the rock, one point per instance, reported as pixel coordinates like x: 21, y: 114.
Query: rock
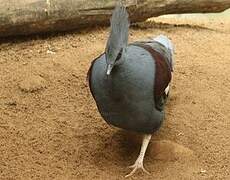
x: 32, y: 83
x: 11, y: 102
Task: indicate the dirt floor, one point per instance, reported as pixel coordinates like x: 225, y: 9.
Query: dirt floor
x: 50, y: 127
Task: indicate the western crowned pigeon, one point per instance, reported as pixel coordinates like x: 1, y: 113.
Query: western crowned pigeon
x: 130, y: 82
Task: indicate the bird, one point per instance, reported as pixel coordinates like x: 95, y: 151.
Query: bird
x: 130, y: 82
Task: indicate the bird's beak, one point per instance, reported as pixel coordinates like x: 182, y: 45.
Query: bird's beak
x: 109, y: 69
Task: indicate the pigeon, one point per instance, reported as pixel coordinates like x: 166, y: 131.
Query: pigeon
x: 130, y: 82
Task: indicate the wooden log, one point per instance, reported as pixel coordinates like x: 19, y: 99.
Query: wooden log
x: 23, y: 17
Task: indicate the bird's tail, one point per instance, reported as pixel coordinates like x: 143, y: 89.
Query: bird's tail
x: 119, y: 33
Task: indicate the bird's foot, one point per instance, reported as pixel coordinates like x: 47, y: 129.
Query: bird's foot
x: 139, y: 162
x: 137, y: 165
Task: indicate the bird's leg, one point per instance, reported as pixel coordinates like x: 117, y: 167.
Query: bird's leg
x: 139, y: 162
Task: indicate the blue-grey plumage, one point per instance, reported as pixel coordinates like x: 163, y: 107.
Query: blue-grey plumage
x: 125, y: 98
x: 130, y: 82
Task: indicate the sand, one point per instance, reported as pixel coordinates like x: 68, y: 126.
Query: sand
x: 50, y: 127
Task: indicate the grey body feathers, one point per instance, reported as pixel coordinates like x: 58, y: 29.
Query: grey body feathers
x: 125, y: 98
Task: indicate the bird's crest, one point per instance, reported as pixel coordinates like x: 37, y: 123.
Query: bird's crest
x: 119, y: 32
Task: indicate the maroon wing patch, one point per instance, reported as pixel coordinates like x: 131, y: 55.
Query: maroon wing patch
x: 163, y: 72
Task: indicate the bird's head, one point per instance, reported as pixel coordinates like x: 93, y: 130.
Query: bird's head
x: 114, y: 57
x: 118, y: 38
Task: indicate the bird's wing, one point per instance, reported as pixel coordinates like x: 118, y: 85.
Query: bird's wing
x: 162, y: 74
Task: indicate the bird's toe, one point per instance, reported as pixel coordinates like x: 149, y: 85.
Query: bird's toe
x: 132, y: 172
x: 135, y: 167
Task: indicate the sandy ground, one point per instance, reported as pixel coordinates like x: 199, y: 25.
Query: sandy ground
x: 50, y: 127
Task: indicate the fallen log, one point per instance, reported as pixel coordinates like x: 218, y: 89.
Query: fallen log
x: 23, y: 17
